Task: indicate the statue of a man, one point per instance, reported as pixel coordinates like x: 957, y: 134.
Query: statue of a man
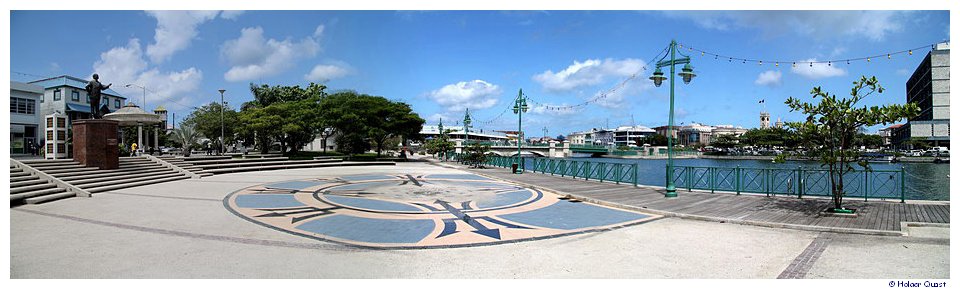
x: 94, y: 88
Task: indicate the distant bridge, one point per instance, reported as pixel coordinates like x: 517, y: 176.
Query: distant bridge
x: 552, y: 150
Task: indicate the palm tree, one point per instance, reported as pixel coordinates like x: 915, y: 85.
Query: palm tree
x: 187, y: 137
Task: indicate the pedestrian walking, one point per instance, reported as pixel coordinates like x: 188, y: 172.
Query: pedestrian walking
x: 133, y: 149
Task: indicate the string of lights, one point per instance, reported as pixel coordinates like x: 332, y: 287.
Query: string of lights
x: 793, y: 63
x: 603, y: 95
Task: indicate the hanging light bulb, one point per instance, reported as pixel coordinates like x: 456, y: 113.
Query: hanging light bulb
x: 848, y: 62
x: 744, y: 61
x: 811, y: 64
x: 716, y: 57
x: 794, y: 64
x: 888, y: 55
x: 829, y: 63
x: 729, y: 59
x: 701, y: 53
x: 777, y: 64
x: 761, y: 62
x: 868, y: 59
x: 910, y: 52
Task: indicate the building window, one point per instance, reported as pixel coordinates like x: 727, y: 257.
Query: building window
x: 56, y: 95
x: 106, y: 101
x: 75, y: 95
x: 88, y: 98
x: 23, y: 105
x: 116, y: 103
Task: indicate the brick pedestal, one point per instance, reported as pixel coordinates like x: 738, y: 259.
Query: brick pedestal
x: 95, y: 143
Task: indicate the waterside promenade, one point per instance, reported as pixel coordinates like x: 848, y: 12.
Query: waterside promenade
x: 873, y: 217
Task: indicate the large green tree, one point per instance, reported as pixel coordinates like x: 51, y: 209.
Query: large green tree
x: 359, y: 117
x: 290, y: 115
x: 832, y: 124
x: 206, y: 121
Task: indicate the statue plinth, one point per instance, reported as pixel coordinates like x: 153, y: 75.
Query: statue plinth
x: 95, y: 143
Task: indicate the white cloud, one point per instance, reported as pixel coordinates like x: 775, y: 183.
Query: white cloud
x: 126, y: 65
x: 326, y: 72
x: 588, y: 72
x: 769, y: 78
x: 252, y: 56
x: 231, y: 14
x: 476, y: 94
x: 175, y: 30
x: 873, y: 25
x: 817, y: 70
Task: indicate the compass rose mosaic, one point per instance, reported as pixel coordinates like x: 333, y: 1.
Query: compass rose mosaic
x: 420, y: 211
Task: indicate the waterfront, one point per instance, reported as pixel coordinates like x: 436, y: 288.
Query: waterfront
x: 923, y: 181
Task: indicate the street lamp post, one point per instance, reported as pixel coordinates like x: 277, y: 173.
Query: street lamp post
x: 144, y: 103
x: 221, y: 120
x: 519, y: 107
x: 687, y: 75
x: 466, y: 126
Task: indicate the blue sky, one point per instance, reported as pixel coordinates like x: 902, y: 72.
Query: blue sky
x: 442, y: 62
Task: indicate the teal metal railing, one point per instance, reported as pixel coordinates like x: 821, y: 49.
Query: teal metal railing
x: 587, y: 170
x: 872, y: 184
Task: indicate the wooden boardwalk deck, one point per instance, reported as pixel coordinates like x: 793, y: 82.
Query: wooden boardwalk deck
x: 872, y: 215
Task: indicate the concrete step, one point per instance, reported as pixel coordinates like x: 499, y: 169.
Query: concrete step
x: 37, y: 193
x: 19, y: 174
x: 72, y: 178
x: 53, y: 171
x: 136, y: 163
x: 32, y: 162
x: 122, y: 176
x: 53, y: 165
x: 136, y: 184
x: 122, y: 180
x: 58, y: 166
x: 292, y: 166
x: 48, y: 198
x: 139, y: 165
x: 15, y: 170
x: 206, y: 162
x: 31, y: 188
x: 22, y: 178
x: 22, y: 183
x: 264, y: 163
x: 97, y: 172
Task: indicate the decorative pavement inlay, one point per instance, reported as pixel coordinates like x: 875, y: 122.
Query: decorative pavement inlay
x: 420, y: 211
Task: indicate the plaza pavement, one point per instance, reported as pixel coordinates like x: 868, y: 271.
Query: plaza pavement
x: 182, y: 230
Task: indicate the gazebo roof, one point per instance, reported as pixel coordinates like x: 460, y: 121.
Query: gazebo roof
x: 132, y: 115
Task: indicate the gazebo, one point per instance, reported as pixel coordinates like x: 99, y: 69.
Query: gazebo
x: 133, y: 115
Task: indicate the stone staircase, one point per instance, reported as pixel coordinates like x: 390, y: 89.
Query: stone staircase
x: 26, y: 188
x: 210, y: 165
x: 133, y: 171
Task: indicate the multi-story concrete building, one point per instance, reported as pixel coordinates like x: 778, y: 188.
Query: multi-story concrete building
x: 662, y: 130
x: 888, y: 134
x: 727, y: 130
x: 577, y: 138
x: 67, y: 95
x: 929, y: 88
x: 628, y: 135
x: 25, y: 119
x: 695, y: 134
x: 594, y: 136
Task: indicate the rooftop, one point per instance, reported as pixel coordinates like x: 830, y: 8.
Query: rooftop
x: 66, y: 80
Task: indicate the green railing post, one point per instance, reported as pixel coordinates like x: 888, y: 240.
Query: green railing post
x: 902, y: 185
x: 799, y: 182
x: 866, y: 184
x: 636, y: 173
x: 766, y: 181
x: 689, y: 179
x: 713, y: 176
x: 738, y: 179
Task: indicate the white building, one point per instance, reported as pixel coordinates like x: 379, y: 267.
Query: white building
x: 628, y: 135
x: 25, y: 118
x: 67, y: 95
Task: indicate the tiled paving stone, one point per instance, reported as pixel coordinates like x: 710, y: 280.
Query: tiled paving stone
x: 420, y: 211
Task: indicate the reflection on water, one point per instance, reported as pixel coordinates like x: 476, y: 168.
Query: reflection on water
x: 924, y: 181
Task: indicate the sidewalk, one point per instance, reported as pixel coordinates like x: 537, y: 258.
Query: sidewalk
x: 873, y: 217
